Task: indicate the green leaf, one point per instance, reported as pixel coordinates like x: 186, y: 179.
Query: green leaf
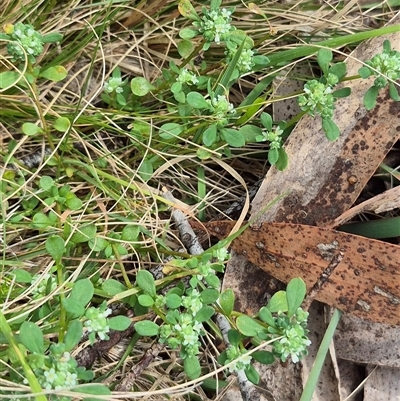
x: 170, y: 130
x: 283, y: 160
x: 252, y: 375
x: 98, y: 244
x: 264, y: 357
x: 365, y: 72
x: 227, y: 301
x: 233, y: 137
x: 209, y: 295
x: 141, y: 86
x: 46, y: 182
x: 73, y: 202
x: 62, y: 124
x: 188, y: 33
x: 22, y: 276
x: 260, y: 61
x: 344, y: 92
x: 187, y: 10
x: 113, y: 287
x: 210, y: 135
x: 119, y: 323
x: 197, y: 101
x: 248, y: 326
x: 234, y: 337
x: 324, y: 57
x: 52, y: 37
x: 176, y: 87
x: 266, y: 316
x: 97, y: 389
x: 273, y: 156
x: 250, y: 132
x: 147, y: 328
x: 55, y: 74
x: 82, y: 292
x: 146, y: 169
x: 339, y: 69
x: 295, y: 292
x: 31, y: 337
x: 331, y: 130
x: 9, y: 78
x: 181, y: 98
x: 393, y: 91
x: 145, y: 300
x: 173, y: 301
x: 204, y: 313
x: 130, y: 232
x: 278, y: 302
x: 40, y: 220
x: 212, y: 280
x: 185, y: 48
x: 266, y: 121
x: 145, y: 280
x: 84, y: 234
x: 31, y: 129
x: 192, y: 368
x: 55, y: 246
x: 73, y: 335
x: 215, y: 4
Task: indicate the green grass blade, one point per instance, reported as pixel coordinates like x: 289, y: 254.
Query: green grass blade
x: 312, y: 380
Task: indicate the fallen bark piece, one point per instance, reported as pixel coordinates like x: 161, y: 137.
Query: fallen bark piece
x: 383, y: 202
x: 366, y: 281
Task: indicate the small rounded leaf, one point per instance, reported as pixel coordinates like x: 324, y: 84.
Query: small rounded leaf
x: 278, y: 302
x: 141, y: 86
x: 62, y: 124
x: 31, y: 129
x: 55, y: 74
x: 145, y: 280
x: 55, y: 246
x: 147, y: 328
x: 248, y: 326
x: 264, y: 357
x: 119, y: 323
x: 73, y: 335
x: 197, y: 101
x: 210, y: 135
x: 188, y: 33
x: 295, y: 292
x: 233, y: 137
x: 32, y: 337
x: 234, y: 337
x: 145, y: 300
x: 226, y: 301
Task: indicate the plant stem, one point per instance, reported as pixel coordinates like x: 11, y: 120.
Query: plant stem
x: 30, y: 376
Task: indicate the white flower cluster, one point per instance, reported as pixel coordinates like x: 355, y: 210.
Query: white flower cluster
x: 221, y: 107
x: 114, y: 84
x: 387, y: 64
x: 274, y: 137
x: 60, y: 370
x: 295, y: 341
x: 46, y: 284
x: 215, y: 24
x: 186, y: 331
x: 317, y: 99
x: 187, y: 77
x: 96, y: 322
x: 26, y: 37
x: 242, y: 361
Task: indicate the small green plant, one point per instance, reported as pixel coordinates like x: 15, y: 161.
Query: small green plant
x: 184, y: 311
x: 386, y: 68
x: 319, y: 97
